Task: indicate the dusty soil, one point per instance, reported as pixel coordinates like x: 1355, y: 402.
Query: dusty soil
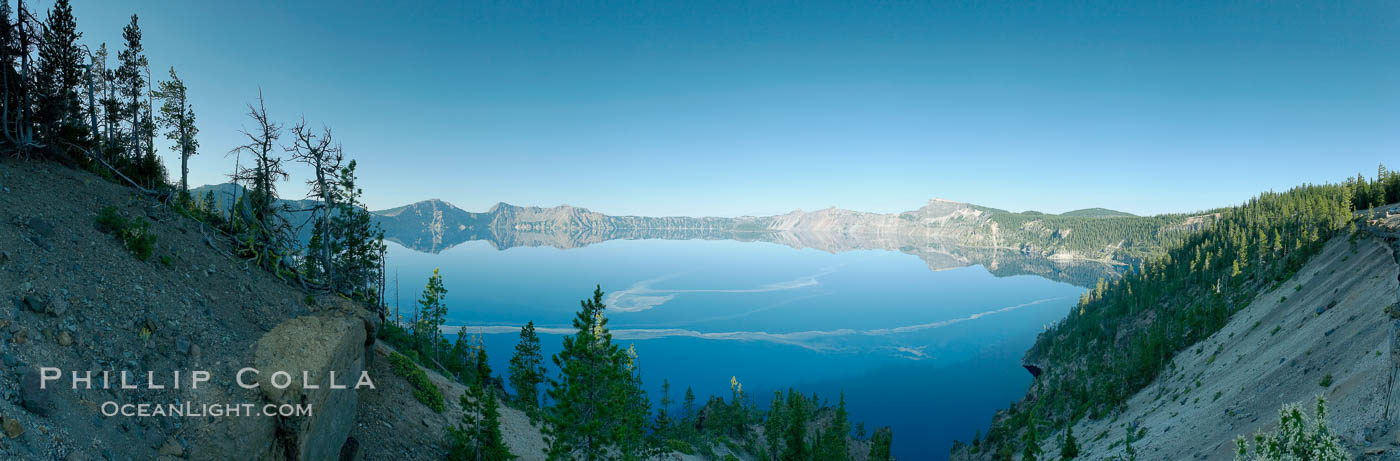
x: 75, y: 298
x: 391, y: 424
x: 1276, y: 351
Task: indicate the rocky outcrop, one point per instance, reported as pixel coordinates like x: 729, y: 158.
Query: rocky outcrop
x: 308, y: 349
x: 313, y: 360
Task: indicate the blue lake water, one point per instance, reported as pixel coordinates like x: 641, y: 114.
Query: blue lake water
x: 930, y: 353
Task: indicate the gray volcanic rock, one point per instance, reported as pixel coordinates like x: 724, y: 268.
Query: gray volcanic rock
x: 317, y: 352
x: 35, y: 397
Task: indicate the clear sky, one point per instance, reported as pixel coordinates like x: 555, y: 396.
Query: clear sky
x: 724, y: 108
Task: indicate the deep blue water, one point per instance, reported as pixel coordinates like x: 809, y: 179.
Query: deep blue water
x: 931, y: 354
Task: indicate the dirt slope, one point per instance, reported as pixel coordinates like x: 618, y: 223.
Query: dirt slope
x: 73, y: 297
x: 392, y: 425
x: 1329, y: 320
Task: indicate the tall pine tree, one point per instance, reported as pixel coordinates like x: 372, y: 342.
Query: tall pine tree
x: 832, y: 443
x: 478, y: 438
x: 773, y: 426
x: 592, y: 398
x: 60, y: 68
x: 129, y: 78
x: 177, y: 117
x: 527, y: 371
x: 358, y: 241
x: 433, y: 310
x: 880, y: 443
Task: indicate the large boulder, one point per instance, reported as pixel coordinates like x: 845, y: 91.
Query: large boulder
x: 372, y: 322
x: 308, y: 349
x: 251, y: 438
x: 34, y: 396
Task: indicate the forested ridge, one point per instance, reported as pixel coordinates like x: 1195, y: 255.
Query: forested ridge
x: 1131, y: 238
x: 1122, y: 333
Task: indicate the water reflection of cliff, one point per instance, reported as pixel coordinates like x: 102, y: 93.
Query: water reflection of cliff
x: 938, y: 254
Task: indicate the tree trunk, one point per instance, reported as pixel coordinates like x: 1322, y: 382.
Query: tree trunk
x: 135, y: 128
x: 184, y: 155
x: 326, y: 227
x: 92, y: 108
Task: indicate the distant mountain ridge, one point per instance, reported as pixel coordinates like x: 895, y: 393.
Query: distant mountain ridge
x: 945, y: 234
x: 1078, y: 246
x: 434, y: 225
x: 1097, y: 213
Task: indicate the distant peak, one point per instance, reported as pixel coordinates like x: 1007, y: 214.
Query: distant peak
x: 439, y: 202
x: 435, y: 203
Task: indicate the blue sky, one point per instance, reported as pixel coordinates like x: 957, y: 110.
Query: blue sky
x: 724, y: 108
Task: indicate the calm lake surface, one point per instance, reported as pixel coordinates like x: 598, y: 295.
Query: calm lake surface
x: 930, y: 353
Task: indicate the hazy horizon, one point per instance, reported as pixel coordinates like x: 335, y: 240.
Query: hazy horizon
x: 726, y: 109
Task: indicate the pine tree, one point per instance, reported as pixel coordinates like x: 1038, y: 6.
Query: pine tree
x: 634, y: 410
x: 880, y: 444
x: 129, y: 77
x: 149, y: 170
x: 208, y: 205
x: 1069, y: 449
x: 177, y: 117
x: 113, y: 111
x: 797, y: 414
x: 1030, y: 450
x: 527, y: 371
x: 589, y: 402
x: 313, y: 266
x: 59, y: 72
x: 832, y: 444
x: 478, y: 438
x: 433, y: 313
x: 688, y: 406
x: 774, y: 424
x: 358, y: 241
x: 14, y: 82
x: 462, y: 358
x: 732, y: 419
x: 662, y: 426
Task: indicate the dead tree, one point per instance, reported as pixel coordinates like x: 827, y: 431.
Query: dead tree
x: 324, y: 156
x: 261, y: 179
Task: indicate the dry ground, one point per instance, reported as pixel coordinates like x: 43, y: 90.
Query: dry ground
x: 1276, y: 351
